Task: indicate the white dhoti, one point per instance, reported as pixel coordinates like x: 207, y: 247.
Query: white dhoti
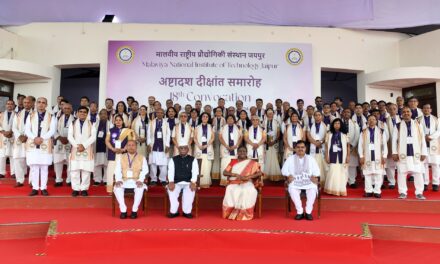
x: 80, y: 180
x: 352, y: 168
x: 37, y: 172
x: 119, y: 194
x: 20, y: 168
x: 295, y: 195
x: 205, y: 172
x: 158, y: 160
x: 414, y: 168
x: 391, y: 171
x: 100, y: 165
x: 187, y: 198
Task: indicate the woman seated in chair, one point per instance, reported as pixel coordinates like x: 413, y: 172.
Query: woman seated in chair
x: 244, y: 175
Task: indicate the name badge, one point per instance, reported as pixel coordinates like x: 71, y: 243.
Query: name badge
x: 255, y: 141
x: 65, y: 130
x: 129, y: 174
x: 159, y: 134
x: 204, y: 139
x: 294, y: 138
x: 312, y: 151
x: 336, y: 148
x: 100, y: 134
x: 118, y: 144
x: 409, y: 140
x: 142, y: 133
x: 317, y: 138
x: 370, y: 146
x: 231, y: 135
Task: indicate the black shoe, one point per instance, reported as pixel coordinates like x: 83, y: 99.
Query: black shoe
x: 435, y: 188
x: 84, y: 193
x: 75, y: 193
x: 299, y: 216
x: 377, y: 195
x: 69, y: 184
x: 368, y: 194
x: 13, y: 176
x: 33, y: 193
x: 153, y: 183
x: 58, y: 184
x: 123, y: 215
x: 411, y: 178
x: 391, y: 187
x: 44, y: 192
x: 96, y: 183
x: 353, y: 186
x: 134, y: 215
x: 19, y: 184
x: 164, y: 183
x: 170, y: 215
x: 2, y: 176
x: 309, y: 217
x: 189, y: 216
x: 425, y: 188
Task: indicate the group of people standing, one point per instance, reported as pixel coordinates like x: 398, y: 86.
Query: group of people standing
x: 375, y: 138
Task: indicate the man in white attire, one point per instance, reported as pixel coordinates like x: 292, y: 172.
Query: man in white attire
x: 82, y: 135
x: 40, y: 128
x: 130, y: 173
x: 302, y: 173
x: 19, y: 151
x: 183, y: 170
x: 409, y: 150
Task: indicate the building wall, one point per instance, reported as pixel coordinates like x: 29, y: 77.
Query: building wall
x: 55, y: 44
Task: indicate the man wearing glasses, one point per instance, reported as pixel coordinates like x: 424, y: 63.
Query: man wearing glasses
x: 182, y: 133
x: 82, y: 135
x: 40, y: 128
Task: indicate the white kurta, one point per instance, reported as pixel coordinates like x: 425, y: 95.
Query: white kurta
x: 86, y: 137
x: 400, y: 140
x: 61, y: 152
x: 40, y: 156
x: 380, y: 151
x: 300, y: 180
x: 433, y: 132
x: 6, y: 144
x: 256, y: 139
x: 157, y: 157
x: 18, y: 128
x: 177, y: 135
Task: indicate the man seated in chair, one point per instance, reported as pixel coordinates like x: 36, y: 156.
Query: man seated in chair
x: 130, y: 173
x: 241, y: 194
x: 302, y: 173
x: 183, y: 171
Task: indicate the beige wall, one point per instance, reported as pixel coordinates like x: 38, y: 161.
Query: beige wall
x: 54, y: 44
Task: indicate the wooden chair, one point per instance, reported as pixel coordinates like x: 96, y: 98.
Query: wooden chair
x: 289, y: 200
x: 196, y: 196
x: 130, y: 193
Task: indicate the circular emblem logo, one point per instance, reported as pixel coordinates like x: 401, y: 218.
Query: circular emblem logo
x: 402, y: 156
x: 125, y: 54
x: 43, y: 146
x: 433, y: 148
x: 294, y: 56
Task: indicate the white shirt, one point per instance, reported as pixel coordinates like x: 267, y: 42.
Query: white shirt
x: 194, y: 171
